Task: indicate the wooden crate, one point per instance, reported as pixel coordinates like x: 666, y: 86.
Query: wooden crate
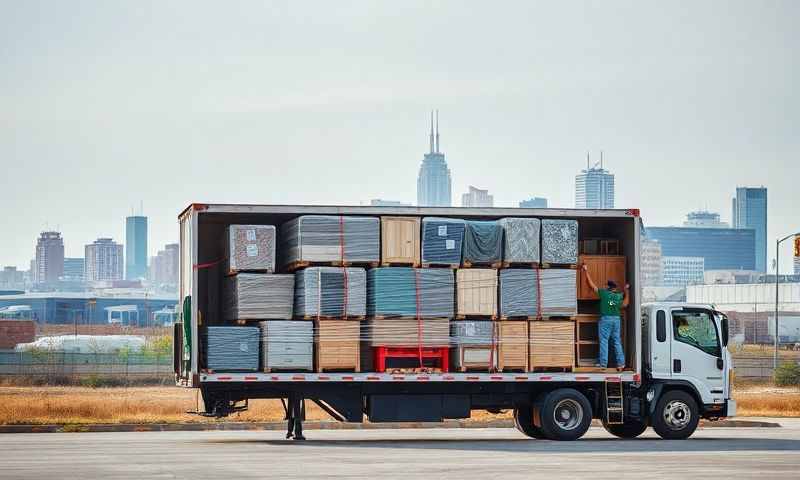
x: 337, y: 345
x: 400, y: 241
x: 476, y: 292
x: 512, y: 348
x: 474, y: 357
x: 552, y: 344
x: 602, y: 268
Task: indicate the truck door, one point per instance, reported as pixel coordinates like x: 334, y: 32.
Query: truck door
x: 660, y: 344
x: 697, y: 352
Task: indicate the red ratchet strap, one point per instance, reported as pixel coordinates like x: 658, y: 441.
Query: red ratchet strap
x: 419, y: 317
x: 495, y: 326
x: 201, y: 266
x: 538, y: 294
x: 344, y: 268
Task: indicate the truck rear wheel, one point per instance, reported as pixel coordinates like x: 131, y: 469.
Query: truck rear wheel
x: 523, y: 420
x: 564, y: 414
x: 676, y: 415
x: 626, y: 430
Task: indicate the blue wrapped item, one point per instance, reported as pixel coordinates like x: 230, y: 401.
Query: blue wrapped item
x: 442, y: 240
x: 333, y: 292
x: 471, y: 332
x: 483, y: 243
x: 392, y: 292
x: 231, y: 349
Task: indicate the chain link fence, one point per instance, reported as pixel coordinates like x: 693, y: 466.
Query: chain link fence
x: 126, y: 366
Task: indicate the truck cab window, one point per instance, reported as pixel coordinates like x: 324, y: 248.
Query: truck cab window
x: 697, y: 329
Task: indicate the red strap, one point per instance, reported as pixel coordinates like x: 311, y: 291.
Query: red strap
x: 200, y: 266
x: 419, y: 316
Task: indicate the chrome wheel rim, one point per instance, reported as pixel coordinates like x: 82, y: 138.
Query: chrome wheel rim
x: 677, y: 415
x: 568, y: 414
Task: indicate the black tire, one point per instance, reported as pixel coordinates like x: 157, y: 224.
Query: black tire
x: 626, y: 430
x: 676, y: 415
x: 564, y: 414
x: 523, y: 420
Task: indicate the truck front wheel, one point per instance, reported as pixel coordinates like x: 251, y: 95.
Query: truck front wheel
x: 523, y: 420
x: 564, y: 414
x: 676, y: 415
x: 625, y: 430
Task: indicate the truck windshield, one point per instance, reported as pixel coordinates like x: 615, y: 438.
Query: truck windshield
x: 696, y: 328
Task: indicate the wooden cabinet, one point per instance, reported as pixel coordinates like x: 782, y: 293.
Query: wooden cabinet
x: 602, y: 268
x: 400, y: 241
x: 476, y: 292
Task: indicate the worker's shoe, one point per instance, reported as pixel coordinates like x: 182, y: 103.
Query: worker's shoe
x: 299, y: 437
x: 289, y: 435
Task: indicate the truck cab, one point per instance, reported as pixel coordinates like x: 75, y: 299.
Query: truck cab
x: 686, y: 366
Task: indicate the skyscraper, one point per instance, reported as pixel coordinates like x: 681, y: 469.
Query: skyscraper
x: 49, y: 263
x: 433, y: 182
x: 103, y: 260
x: 683, y: 271
x: 534, y: 202
x: 721, y: 248
x: 73, y: 269
x: 477, y: 198
x: 652, y: 267
x: 704, y: 219
x: 135, y: 247
x: 750, y: 211
x: 594, y: 187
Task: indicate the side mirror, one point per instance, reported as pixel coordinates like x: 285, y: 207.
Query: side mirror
x: 724, y: 331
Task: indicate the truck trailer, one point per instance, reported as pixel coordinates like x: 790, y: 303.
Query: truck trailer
x: 670, y: 380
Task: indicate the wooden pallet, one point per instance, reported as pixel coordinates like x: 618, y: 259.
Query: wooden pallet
x: 521, y: 318
x: 554, y: 318
x: 460, y: 352
x: 441, y: 265
x: 571, y: 266
x: 336, y: 263
x: 400, y: 264
x: 287, y: 370
x: 329, y: 317
x: 486, y: 318
x: 551, y: 369
x: 494, y: 265
x: 521, y: 265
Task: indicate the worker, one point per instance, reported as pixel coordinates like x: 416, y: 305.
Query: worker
x: 295, y: 414
x: 684, y: 331
x: 609, y: 326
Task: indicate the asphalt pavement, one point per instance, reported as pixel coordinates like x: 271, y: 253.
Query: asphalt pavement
x: 379, y: 454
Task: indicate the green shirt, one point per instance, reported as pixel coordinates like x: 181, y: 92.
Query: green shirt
x: 610, y: 302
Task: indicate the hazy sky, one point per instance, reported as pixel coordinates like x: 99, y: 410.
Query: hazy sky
x: 104, y: 104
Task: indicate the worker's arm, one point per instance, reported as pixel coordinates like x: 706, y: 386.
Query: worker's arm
x: 589, y: 278
x: 626, y: 295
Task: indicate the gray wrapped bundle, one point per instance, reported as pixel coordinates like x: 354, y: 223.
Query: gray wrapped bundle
x: 471, y: 332
x: 231, y: 349
x: 520, y: 295
x: 287, y: 345
x: 560, y: 241
x: 407, y: 332
x: 521, y: 243
x: 397, y: 291
x: 330, y: 238
x: 483, y: 243
x: 258, y: 296
x: 442, y: 239
x: 332, y: 292
x: 250, y: 248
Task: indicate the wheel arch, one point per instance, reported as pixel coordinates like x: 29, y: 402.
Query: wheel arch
x: 662, y: 387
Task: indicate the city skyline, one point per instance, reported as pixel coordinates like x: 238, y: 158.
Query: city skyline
x: 264, y: 127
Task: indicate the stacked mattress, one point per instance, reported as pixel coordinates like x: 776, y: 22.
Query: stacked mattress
x: 409, y: 332
x: 231, y: 349
x: 398, y: 291
x: 560, y: 241
x: 483, y: 243
x: 520, y: 293
x: 330, y: 238
x: 287, y: 345
x: 442, y: 240
x: 257, y: 296
x: 521, y: 244
x: 330, y: 292
x: 250, y: 248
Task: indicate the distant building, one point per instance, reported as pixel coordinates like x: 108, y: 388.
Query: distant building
x: 749, y: 210
x: 682, y: 271
x: 377, y: 202
x: 12, y: 279
x: 434, y: 185
x: 722, y: 248
x: 73, y: 269
x: 594, y: 187
x: 135, y: 247
x: 477, y: 198
x: 49, y: 258
x: 164, y: 266
x: 535, y: 202
x: 704, y: 219
x: 652, y: 268
x: 103, y: 261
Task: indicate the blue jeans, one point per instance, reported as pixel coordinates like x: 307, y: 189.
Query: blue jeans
x: 609, y: 326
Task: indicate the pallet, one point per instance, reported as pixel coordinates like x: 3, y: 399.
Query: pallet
x: 525, y: 265
x: 441, y: 265
x: 598, y: 370
x: 571, y: 266
x: 564, y: 369
x: 521, y: 318
x: 335, y: 263
x: 330, y: 317
x: 382, y: 353
x: 484, y: 366
x: 400, y: 264
x: 494, y: 265
x: 287, y: 370
x: 233, y: 272
x: 469, y: 316
x: 570, y: 318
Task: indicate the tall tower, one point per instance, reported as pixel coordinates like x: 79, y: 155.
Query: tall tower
x: 135, y: 247
x: 750, y: 211
x: 434, y: 187
x: 103, y: 260
x: 594, y: 187
x: 49, y: 262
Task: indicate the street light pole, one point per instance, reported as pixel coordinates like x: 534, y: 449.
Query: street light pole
x: 777, y: 283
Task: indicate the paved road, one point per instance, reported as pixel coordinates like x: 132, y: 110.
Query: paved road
x: 379, y: 454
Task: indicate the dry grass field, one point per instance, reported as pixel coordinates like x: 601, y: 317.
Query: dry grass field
x: 80, y: 405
